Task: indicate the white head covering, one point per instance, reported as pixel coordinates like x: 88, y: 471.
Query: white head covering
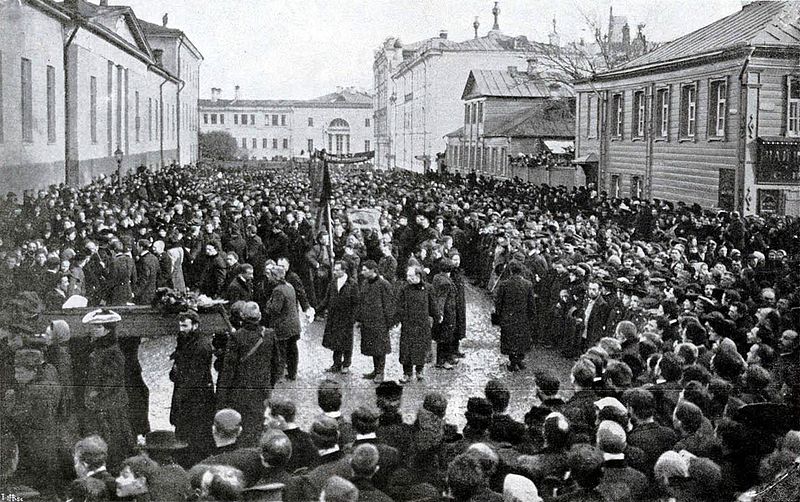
x: 101, y: 316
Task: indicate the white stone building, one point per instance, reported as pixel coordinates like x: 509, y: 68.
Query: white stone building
x: 79, y: 81
x: 266, y: 129
x: 418, y: 90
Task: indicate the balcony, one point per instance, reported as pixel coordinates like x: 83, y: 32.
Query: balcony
x: 778, y: 161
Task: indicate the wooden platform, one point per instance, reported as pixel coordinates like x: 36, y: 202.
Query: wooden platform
x: 143, y: 321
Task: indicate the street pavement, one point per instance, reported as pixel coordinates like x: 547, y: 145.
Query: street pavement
x: 482, y: 362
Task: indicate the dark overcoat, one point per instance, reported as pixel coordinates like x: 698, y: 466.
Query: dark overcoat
x: 120, y: 277
x: 192, y: 411
x: 147, y: 270
x: 375, y: 312
x: 106, y: 399
x: 444, y: 295
x: 415, y: 308
x: 342, y: 306
x: 460, y: 330
x: 513, y: 305
x: 282, y: 312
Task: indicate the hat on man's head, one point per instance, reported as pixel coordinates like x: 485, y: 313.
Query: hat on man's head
x: 324, y: 432
x: 251, y: 312
x: 364, y: 419
x: 389, y: 391
x: 101, y: 316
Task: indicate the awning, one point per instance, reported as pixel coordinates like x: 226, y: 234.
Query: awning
x: 591, y: 158
x: 559, y: 146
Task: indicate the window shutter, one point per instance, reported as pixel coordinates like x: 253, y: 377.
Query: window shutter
x: 727, y: 81
x: 710, y: 111
x: 669, y: 111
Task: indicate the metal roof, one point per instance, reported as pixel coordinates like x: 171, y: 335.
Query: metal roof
x: 760, y: 23
x: 512, y: 84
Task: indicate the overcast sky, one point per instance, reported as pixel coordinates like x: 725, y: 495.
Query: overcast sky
x: 299, y: 49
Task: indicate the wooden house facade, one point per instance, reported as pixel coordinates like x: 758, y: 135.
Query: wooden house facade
x: 711, y: 118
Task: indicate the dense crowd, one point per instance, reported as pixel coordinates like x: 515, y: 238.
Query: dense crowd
x: 682, y: 323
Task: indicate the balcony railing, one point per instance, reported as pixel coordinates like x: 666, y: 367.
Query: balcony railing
x: 778, y: 161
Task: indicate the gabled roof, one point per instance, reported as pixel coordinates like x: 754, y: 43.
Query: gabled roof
x: 346, y: 96
x: 159, y: 31
x: 544, y: 119
x: 512, y: 84
x: 104, y: 18
x: 771, y: 23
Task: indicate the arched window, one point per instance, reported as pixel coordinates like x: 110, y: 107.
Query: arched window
x: 339, y: 136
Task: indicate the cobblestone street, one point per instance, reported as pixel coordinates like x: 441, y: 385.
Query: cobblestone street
x: 482, y: 362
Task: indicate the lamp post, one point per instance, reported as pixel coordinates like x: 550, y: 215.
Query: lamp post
x: 118, y: 156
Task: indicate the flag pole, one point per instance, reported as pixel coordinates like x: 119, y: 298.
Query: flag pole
x: 328, y: 211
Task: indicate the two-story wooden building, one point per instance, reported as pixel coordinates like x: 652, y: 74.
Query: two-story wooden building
x: 509, y: 112
x: 712, y: 117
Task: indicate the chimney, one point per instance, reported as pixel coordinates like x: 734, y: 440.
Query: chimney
x: 165, y: 19
x: 531, y: 70
x: 443, y: 34
x: 236, y: 93
x: 475, y: 25
x: 215, y: 94
x: 157, y: 55
x: 103, y: 3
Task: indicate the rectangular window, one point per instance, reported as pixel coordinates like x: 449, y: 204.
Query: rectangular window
x: 243, y: 120
x: 138, y: 119
x: 51, y: 104
x: 793, y: 106
x: 615, y: 186
x: 283, y: 120
x: 474, y: 114
x: 235, y: 119
x: 717, y: 108
x: 252, y: 119
x: 661, y: 111
x: 274, y: 143
x: 221, y: 118
x: 1, y: 98
x: 150, y: 119
x: 466, y: 114
x: 244, y: 142
x: 109, y: 105
x: 636, y: 187
x: 590, y: 116
x: 205, y: 118
x: 213, y: 118
x: 366, y: 145
x: 617, y: 115
x: 310, y: 121
x: 310, y: 145
x: 688, y: 110
x: 367, y: 122
x: 638, y: 118
x: 254, y: 143
x: 480, y: 113
x: 26, y: 87
x: 285, y: 143
x: 274, y: 119
x: 264, y: 143
x: 93, y: 108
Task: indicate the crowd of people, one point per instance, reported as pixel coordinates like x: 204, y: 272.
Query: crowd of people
x: 681, y: 322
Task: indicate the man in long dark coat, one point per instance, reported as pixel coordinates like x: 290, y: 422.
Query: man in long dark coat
x: 192, y: 411
x: 341, y: 303
x: 444, y: 322
x: 376, y: 309
x: 120, y: 277
x: 415, y: 309
x: 460, y: 330
x: 249, y: 372
x: 513, y: 305
x: 147, y: 270
x: 281, y: 310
